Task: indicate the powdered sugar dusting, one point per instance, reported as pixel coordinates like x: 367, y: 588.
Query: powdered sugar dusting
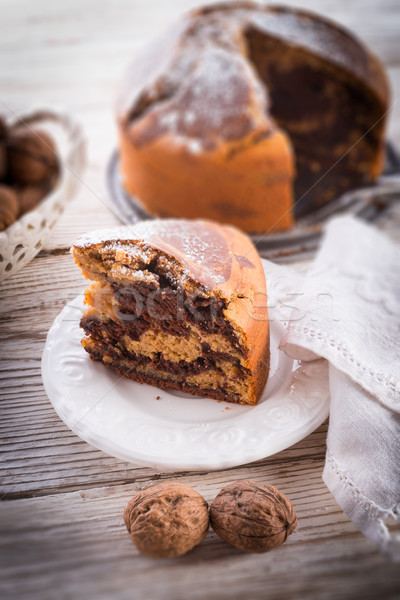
x: 169, y: 120
x: 208, y: 90
x: 202, y: 249
x: 189, y: 117
x: 218, y: 88
x: 194, y: 146
x: 100, y: 236
x: 199, y: 247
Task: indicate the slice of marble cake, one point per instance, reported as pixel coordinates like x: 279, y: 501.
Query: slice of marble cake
x: 178, y: 304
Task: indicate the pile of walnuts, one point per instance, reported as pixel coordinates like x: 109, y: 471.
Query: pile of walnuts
x: 28, y: 170
x: 169, y: 519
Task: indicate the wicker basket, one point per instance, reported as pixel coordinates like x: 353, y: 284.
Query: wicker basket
x: 22, y: 240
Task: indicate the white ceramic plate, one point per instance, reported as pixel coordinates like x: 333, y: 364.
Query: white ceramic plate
x: 171, y: 430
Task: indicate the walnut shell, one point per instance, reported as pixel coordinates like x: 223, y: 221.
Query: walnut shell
x: 8, y: 207
x: 167, y: 520
x: 3, y: 155
x: 29, y: 196
x: 252, y: 517
x: 31, y: 156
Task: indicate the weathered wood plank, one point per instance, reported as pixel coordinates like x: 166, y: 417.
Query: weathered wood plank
x: 77, y: 543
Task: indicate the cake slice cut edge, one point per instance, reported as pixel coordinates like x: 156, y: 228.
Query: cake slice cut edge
x: 180, y: 305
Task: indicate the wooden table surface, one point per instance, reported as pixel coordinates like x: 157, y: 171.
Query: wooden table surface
x: 62, y: 533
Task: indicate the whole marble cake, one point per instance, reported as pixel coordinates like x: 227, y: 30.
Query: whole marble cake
x: 250, y: 114
x: 178, y: 304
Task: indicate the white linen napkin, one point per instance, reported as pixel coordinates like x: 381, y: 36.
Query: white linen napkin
x: 347, y: 310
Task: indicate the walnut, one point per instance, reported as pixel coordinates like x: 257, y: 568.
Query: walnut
x: 252, y: 517
x: 31, y: 156
x: 8, y: 207
x: 167, y: 520
x: 3, y: 157
x: 29, y: 196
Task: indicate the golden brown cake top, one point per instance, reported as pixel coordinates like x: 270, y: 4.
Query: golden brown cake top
x: 197, y: 80
x: 200, y: 257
